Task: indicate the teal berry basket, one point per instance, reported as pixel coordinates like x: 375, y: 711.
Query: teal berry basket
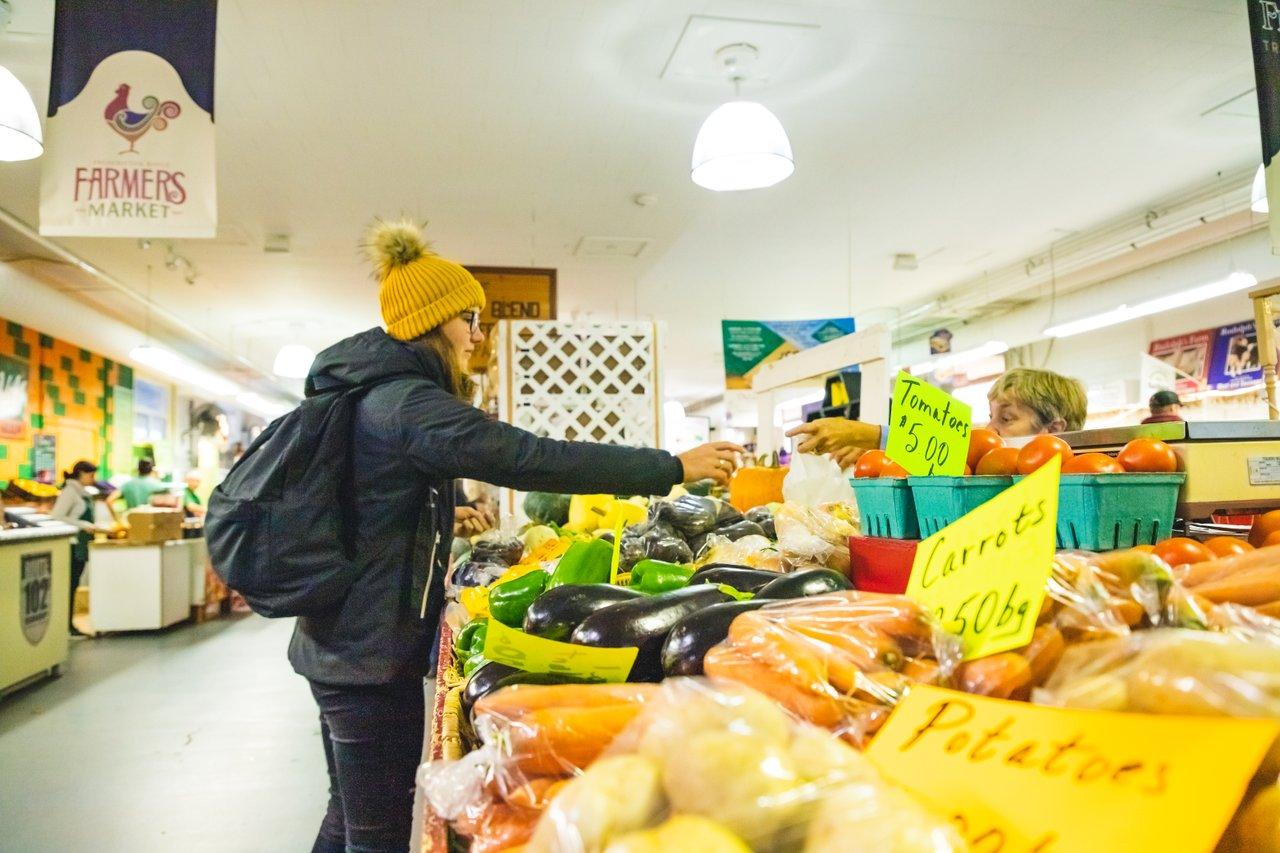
x: 1103, y: 512
x: 886, y: 507
x: 943, y: 500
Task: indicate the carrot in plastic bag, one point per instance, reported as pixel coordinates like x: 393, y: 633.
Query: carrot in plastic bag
x: 522, y: 698
x: 1211, y: 570
x: 820, y: 708
x: 552, y: 741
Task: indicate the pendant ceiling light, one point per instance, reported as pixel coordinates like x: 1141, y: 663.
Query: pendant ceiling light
x: 741, y: 145
x: 20, y: 137
x: 1258, y: 198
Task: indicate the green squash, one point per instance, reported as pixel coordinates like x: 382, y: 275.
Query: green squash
x: 547, y: 508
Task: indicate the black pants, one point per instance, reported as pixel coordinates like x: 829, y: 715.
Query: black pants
x: 77, y: 572
x: 372, y: 744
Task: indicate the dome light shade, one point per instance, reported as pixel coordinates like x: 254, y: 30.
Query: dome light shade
x: 1258, y: 198
x: 20, y: 137
x: 293, y: 361
x: 741, y: 146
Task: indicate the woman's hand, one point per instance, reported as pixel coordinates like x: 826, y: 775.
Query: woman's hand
x: 471, y: 522
x: 715, y: 461
x: 838, y: 436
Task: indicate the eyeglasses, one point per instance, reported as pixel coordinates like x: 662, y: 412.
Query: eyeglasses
x: 473, y: 318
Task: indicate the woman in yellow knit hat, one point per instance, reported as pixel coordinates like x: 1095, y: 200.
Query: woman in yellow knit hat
x: 415, y: 432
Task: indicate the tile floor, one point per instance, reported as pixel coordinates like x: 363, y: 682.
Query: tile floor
x: 199, y: 738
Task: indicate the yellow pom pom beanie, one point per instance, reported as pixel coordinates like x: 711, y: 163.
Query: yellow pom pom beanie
x: 418, y: 290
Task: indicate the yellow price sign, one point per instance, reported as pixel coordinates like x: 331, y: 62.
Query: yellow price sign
x: 1020, y: 778
x: 538, y: 654
x: 928, y: 429
x: 984, y: 575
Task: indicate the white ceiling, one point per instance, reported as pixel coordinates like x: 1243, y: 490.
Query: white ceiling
x: 971, y: 133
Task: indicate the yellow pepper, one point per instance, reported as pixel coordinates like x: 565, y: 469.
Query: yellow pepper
x: 476, y: 600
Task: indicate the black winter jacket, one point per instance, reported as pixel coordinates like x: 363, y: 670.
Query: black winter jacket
x: 410, y: 440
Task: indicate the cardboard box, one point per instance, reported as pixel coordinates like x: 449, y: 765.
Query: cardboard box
x: 148, y: 525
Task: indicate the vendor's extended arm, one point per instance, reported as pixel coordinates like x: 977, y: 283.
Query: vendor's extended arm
x: 843, y: 439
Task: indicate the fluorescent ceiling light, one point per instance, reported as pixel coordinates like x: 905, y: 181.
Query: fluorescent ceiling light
x: 20, y: 137
x: 741, y: 146
x: 1236, y: 281
x: 187, y: 372
x: 1258, y: 197
x: 955, y: 359
x: 294, y: 361
x: 259, y: 405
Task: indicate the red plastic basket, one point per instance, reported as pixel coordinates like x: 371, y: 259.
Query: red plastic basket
x: 881, y: 565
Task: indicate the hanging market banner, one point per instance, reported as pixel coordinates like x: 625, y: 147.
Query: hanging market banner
x: 751, y: 344
x: 1264, y: 27
x: 1220, y: 359
x: 1188, y: 355
x: 129, y: 148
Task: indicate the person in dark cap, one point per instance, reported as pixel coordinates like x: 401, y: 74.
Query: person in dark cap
x: 1166, y: 408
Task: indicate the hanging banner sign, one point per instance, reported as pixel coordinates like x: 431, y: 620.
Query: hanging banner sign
x: 751, y: 344
x: 1264, y: 27
x: 129, y: 148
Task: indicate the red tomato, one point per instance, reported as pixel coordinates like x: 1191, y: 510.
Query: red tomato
x: 1002, y: 461
x: 981, y: 442
x: 1148, y: 455
x: 1226, y: 546
x: 1040, y: 450
x: 870, y: 463
x: 893, y: 469
x: 1092, y: 463
x: 1179, y: 551
x: 1263, y: 526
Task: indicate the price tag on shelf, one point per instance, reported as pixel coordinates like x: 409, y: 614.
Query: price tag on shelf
x: 984, y: 575
x: 538, y: 654
x: 1022, y: 778
x: 928, y: 429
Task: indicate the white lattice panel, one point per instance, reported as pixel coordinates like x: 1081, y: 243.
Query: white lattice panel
x: 581, y: 381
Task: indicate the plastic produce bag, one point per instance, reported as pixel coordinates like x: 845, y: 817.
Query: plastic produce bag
x: 691, y: 515
x: 654, y: 540
x: 815, y: 480
x: 1099, y: 596
x: 815, y: 535
x: 754, y: 552
x: 840, y: 661
x: 534, y: 738
x: 719, y: 768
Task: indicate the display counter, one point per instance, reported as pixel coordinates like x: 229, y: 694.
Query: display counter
x: 35, y: 567
x: 134, y: 587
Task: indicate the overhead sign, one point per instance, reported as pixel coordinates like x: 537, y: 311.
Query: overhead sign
x: 1264, y: 27
x: 1020, y: 777
x: 928, y: 429
x: 511, y: 293
x: 129, y: 142
x: 984, y: 575
x: 538, y: 654
x: 751, y: 344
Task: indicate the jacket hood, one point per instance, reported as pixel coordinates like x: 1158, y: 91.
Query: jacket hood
x: 370, y: 356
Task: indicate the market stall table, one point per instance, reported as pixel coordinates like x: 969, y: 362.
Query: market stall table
x: 35, y: 565
x: 139, y: 587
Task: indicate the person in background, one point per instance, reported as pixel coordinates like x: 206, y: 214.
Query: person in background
x: 138, y: 491
x: 1023, y: 401
x: 1165, y: 407
x: 470, y: 518
x: 74, y: 506
x: 414, y: 433
x: 191, y: 503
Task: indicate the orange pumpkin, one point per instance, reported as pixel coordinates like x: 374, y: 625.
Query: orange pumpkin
x: 756, y: 486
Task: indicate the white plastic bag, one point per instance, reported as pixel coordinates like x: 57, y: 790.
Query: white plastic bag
x: 815, y: 480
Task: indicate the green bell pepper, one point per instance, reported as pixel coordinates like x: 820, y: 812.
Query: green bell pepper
x: 508, y: 601
x: 473, y: 663
x: 654, y: 576
x: 466, y: 642
x: 584, y: 562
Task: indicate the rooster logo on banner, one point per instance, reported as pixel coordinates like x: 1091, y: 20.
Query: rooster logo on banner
x: 131, y: 125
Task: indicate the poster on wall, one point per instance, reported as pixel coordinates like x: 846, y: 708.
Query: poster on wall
x: 1264, y: 28
x: 13, y: 397
x: 751, y: 344
x: 512, y: 293
x: 129, y: 141
x: 44, y: 457
x: 1188, y: 355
